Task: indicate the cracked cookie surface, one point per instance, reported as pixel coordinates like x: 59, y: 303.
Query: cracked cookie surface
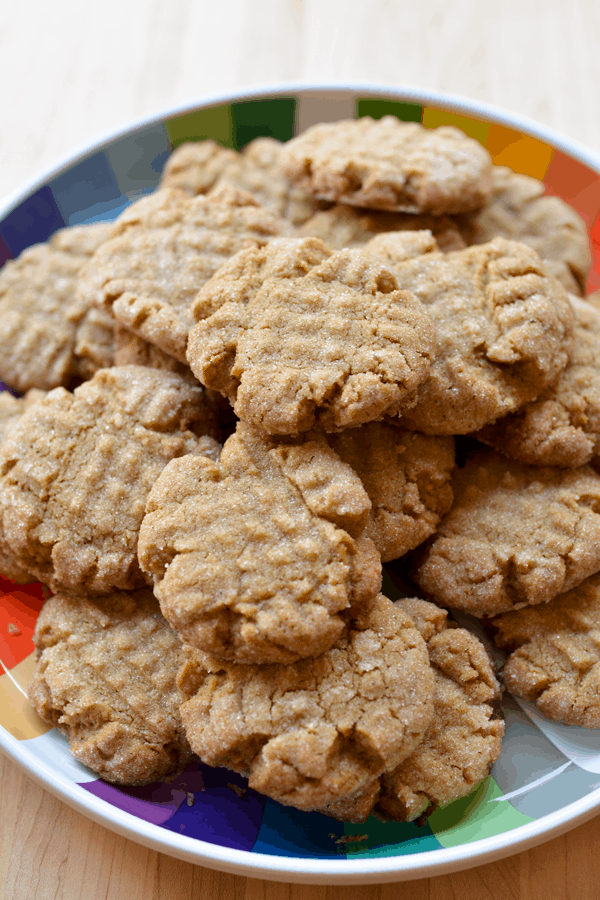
x: 76, y: 469
x: 464, y: 738
x: 407, y: 478
x: 320, y: 730
x: 253, y: 558
x: 502, y: 328
x: 515, y: 536
x: 106, y: 677
x: 299, y: 337
x: 162, y: 250
x: 388, y: 164
x: 48, y: 336
x: 518, y: 209
x: 555, y: 654
x: 561, y: 427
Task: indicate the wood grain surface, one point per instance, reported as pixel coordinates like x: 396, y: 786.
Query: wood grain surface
x: 70, y: 70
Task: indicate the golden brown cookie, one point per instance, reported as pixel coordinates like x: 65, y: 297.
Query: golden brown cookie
x: 555, y: 654
x: 561, y: 427
x: 407, y: 478
x: 518, y: 209
x: 299, y: 337
x: 389, y: 164
x: 75, y: 472
x: 345, y: 226
x: 49, y: 336
x: 516, y: 535
x: 196, y: 166
x: 321, y: 730
x: 162, y: 250
x: 464, y: 738
x: 502, y: 328
x: 106, y: 677
x: 253, y: 559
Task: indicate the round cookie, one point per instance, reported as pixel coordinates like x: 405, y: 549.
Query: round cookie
x: 407, y: 478
x: 561, y: 427
x: 252, y: 558
x: 195, y: 167
x: 502, y: 328
x: 518, y: 209
x: 49, y: 336
x: 516, y: 536
x: 75, y: 472
x: 105, y: 676
x: 345, y: 226
x: 389, y: 164
x: 464, y: 738
x: 162, y: 250
x: 299, y: 337
x: 321, y: 730
x: 555, y: 654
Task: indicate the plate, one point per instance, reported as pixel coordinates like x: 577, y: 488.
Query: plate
x: 547, y: 778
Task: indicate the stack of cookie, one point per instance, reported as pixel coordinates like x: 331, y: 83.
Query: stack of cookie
x: 296, y: 335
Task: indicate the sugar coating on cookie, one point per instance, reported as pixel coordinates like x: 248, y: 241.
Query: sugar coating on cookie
x: 502, y: 328
x: 392, y: 165
x: 346, y: 226
x: 297, y: 337
x: 106, y: 677
x: 49, y: 336
x: 464, y: 738
x: 407, y: 478
x: 252, y: 558
x: 162, y: 250
x: 561, y: 427
x: 519, y: 209
x: 320, y: 730
x: 516, y: 536
x: 76, y: 470
x: 555, y: 654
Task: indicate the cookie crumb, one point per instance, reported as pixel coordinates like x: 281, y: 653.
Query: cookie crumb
x: 237, y: 789
x: 189, y: 798
x: 350, y: 838
x: 13, y: 629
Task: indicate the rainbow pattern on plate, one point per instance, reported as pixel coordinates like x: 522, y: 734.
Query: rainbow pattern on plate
x: 215, y: 805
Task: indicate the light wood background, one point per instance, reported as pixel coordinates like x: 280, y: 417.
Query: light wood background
x: 69, y: 70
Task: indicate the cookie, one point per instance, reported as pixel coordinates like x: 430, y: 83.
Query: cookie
x: 105, y: 676
x: 464, y: 738
x: 345, y: 226
x: 299, y: 337
x: 502, y: 328
x: 48, y: 336
x: 196, y: 166
x: 253, y: 558
x: 163, y: 249
x: 75, y: 472
x: 407, y: 478
x: 516, y: 536
x: 518, y: 209
x: 132, y: 350
x: 554, y: 652
x: 392, y: 165
x: 561, y: 427
x: 321, y: 730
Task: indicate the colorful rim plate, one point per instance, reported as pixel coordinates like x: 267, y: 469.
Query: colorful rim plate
x: 545, y: 782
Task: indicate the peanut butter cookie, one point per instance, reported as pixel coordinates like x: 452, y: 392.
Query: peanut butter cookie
x: 106, y: 677
x: 516, y: 536
x: 299, y: 337
x: 555, y: 654
x: 162, y: 250
x: 561, y: 427
x: 49, y: 336
x: 518, y: 209
x: 253, y: 558
x: 389, y: 164
x: 76, y: 469
x: 318, y: 731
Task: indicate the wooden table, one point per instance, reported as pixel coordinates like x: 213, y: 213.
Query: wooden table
x: 70, y: 70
